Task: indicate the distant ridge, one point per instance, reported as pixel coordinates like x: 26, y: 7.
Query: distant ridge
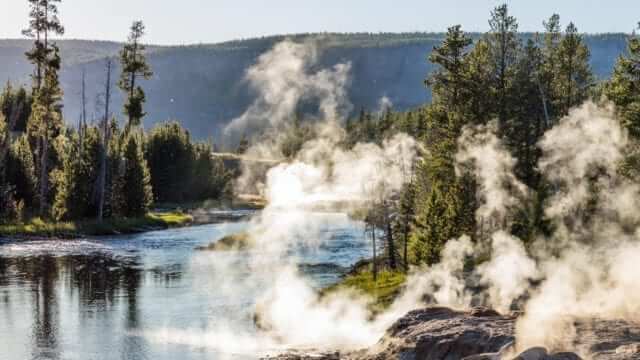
x: 201, y: 84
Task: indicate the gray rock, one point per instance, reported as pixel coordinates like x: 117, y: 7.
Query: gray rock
x: 439, y: 333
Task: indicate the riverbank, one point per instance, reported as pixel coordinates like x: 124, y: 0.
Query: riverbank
x: 382, y: 291
x: 39, y: 228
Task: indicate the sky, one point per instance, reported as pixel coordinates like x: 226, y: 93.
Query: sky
x: 171, y: 22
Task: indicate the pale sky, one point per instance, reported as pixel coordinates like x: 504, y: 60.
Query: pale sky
x: 206, y: 21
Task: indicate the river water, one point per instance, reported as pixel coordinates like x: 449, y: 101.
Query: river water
x: 96, y: 298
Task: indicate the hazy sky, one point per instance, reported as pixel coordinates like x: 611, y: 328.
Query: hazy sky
x: 193, y: 21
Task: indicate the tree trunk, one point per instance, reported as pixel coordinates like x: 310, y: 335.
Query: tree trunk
x: 391, y: 248
x: 375, y: 262
x: 44, y: 175
x: 102, y: 179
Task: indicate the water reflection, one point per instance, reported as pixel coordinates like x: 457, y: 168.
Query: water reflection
x: 97, y: 298
x: 94, y: 282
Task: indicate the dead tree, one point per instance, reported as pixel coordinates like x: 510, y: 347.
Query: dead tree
x: 102, y: 178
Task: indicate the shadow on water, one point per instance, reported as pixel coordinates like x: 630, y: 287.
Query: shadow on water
x: 100, y: 298
x: 46, y: 288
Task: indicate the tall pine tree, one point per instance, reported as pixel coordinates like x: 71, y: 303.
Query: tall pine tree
x: 134, y: 66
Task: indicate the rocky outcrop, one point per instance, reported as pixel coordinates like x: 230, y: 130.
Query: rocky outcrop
x: 439, y: 333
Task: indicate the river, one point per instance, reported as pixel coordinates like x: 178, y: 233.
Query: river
x: 97, y: 298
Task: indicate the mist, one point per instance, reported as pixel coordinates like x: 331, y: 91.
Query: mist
x: 585, y: 270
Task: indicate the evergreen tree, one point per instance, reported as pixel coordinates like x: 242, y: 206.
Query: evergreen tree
x: 480, y: 92
x: 15, y: 105
x: 75, y: 196
x: 503, y: 44
x: 526, y: 126
x: 46, y: 123
x: 22, y: 171
x: 170, y: 156
x: 574, y: 78
x: 43, y: 21
x: 134, y: 65
x: 549, y: 67
x: 624, y: 87
x: 448, y: 81
x: 137, y: 195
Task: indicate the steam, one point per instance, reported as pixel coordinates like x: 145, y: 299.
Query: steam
x: 303, y: 195
x: 586, y: 269
x: 282, y: 79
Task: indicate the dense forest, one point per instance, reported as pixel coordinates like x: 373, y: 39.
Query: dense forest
x: 95, y: 168
x: 520, y: 87
x: 201, y: 85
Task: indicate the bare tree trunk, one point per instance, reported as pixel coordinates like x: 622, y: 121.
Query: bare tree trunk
x: 406, y: 243
x: 391, y: 247
x: 375, y: 262
x: 44, y: 175
x: 83, y: 116
x: 102, y: 179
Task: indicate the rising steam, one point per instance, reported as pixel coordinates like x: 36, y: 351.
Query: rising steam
x: 586, y: 269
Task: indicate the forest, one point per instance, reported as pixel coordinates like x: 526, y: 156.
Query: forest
x: 490, y: 210
x: 101, y: 168
x: 521, y: 88
x: 97, y: 169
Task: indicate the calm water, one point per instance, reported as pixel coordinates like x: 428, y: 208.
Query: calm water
x: 93, y: 298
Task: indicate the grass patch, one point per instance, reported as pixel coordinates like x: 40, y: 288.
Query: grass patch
x: 383, y: 291
x: 37, y: 227
x: 237, y: 241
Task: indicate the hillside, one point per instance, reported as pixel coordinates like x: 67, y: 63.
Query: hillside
x: 202, y: 85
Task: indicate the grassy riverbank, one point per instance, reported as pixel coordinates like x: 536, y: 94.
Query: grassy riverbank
x: 37, y: 227
x: 383, y: 290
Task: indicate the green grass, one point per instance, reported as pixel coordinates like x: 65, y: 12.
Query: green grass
x: 37, y: 227
x: 238, y: 241
x: 383, y: 291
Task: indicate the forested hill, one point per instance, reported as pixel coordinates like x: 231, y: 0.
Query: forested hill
x: 201, y: 85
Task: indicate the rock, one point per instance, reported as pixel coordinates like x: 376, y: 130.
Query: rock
x: 441, y: 333
x: 540, y: 353
x: 629, y: 349
x: 535, y: 353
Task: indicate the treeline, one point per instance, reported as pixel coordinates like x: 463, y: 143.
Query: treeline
x: 526, y: 87
x: 98, y: 169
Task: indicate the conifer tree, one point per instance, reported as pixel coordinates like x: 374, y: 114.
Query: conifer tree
x: 22, y: 171
x: 46, y: 123
x: 136, y: 182
x: 624, y: 87
x: 43, y: 21
x: 134, y: 66
x: 574, y: 78
x: 448, y: 81
x: 549, y: 67
x: 503, y: 44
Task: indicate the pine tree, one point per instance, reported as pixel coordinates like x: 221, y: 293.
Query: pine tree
x: 15, y: 105
x: 136, y: 183
x: 526, y: 126
x: 503, y: 44
x: 574, y: 78
x: 22, y: 171
x: 46, y: 123
x: 170, y: 156
x: 448, y: 81
x: 134, y: 65
x: 43, y: 21
x: 74, y: 198
x: 549, y: 67
x: 624, y: 87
